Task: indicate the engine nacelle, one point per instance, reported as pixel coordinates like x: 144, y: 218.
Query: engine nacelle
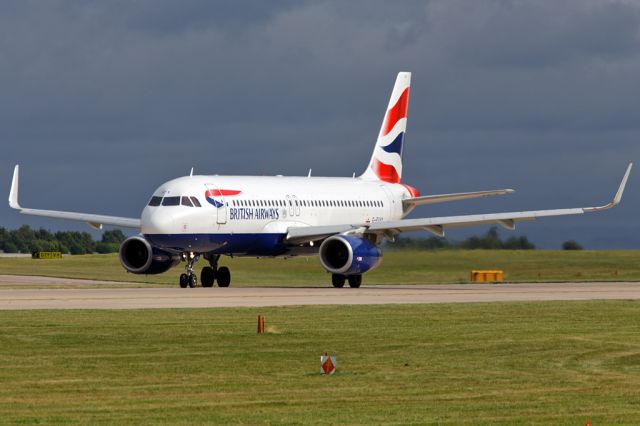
x: 139, y: 257
x: 349, y: 255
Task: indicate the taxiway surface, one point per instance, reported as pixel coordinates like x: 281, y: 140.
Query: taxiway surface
x: 140, y: 298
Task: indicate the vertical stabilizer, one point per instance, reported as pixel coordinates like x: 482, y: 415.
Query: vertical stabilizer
x: 386, y: 161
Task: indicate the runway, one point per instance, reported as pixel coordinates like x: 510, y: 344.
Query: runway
x: 143, y: 298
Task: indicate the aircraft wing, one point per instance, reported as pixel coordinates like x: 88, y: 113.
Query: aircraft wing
x: 94, y: 220
x: 437, y: 225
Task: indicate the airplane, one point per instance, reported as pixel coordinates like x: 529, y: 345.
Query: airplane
x: 341, y: 220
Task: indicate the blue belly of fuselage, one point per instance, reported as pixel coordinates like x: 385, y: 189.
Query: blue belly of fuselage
x: 236, y: 244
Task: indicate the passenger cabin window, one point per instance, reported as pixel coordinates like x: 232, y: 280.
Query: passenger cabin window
x: 155, y: 201
x: 171, y: 201
x: 187, y: 202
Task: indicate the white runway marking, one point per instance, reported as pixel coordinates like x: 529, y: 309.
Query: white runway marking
x: 137, y: 298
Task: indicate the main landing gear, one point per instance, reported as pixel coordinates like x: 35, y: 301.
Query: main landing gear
x: 209, y: 274
x: 214, y: 273
x: 338, y: 280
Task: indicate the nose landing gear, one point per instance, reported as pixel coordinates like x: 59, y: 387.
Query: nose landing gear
x: 189, y: 278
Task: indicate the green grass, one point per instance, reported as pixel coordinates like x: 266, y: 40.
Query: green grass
x: 501, y: 363
x: 398, y: 267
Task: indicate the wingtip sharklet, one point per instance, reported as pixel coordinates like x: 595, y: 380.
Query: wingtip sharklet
x: 623, y: 184
x: 618, y: 197
x: 13, y: 194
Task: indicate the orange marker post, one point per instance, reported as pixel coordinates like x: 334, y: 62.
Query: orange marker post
x: 260, y: 324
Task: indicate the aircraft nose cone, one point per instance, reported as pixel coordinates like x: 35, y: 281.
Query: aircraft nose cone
x: 155, y: 221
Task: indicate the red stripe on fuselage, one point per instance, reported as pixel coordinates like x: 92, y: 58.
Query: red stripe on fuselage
x: 221, y: 192
x: 397, y: 112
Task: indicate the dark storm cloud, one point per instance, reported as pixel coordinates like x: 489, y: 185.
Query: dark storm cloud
x: 102, y: 101
x: 544, y: 34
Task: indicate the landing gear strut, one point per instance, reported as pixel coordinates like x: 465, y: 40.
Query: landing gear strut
x: 212, y: 273
x: 189, y: 278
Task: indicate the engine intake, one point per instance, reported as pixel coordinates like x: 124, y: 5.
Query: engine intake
x: 139, y: 257
x: 349, y: 255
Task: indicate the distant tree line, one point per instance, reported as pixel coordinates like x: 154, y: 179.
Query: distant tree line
x: 571, y: 245
x: 489, y: 241
x: 27, y: 240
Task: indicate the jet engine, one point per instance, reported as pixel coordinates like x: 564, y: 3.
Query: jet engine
x: 349, y: 255
x: 139, y: 257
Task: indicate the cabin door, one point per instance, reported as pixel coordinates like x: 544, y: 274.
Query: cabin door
x: 215, y: 197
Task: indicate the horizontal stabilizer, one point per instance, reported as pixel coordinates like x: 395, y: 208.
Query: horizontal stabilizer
x: 443, y: 198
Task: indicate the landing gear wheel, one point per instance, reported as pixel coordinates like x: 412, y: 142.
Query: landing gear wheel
x: 355, y: 280
x: 223, y: 276
x: 337, y: 280
x: 207, y: 276
x: 193, y: 280
x: 184, y: 280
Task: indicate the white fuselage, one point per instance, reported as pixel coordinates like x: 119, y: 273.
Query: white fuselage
x: 251, y: 215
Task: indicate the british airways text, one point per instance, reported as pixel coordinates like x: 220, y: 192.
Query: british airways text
x: 253, y: 214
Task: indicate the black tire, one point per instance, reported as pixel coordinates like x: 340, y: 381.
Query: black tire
x: 223, y: 276
x: 355, y: 280
x: 193, y: 280
x: 184, y: 280
x: 207, y: 277
x: 337, y: 280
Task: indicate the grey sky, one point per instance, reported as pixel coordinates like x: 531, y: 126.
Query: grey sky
x: 103, y: 101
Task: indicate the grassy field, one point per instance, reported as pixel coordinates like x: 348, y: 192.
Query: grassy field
x: 501, y: 363
x: 398, y: 267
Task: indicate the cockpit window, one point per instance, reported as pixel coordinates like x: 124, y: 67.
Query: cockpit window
x: 171, y: 201
x: 187, y: 201
x: 155, y: 201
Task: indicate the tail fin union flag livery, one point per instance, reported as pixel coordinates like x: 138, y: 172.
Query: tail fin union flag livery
x: 342, y: 220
